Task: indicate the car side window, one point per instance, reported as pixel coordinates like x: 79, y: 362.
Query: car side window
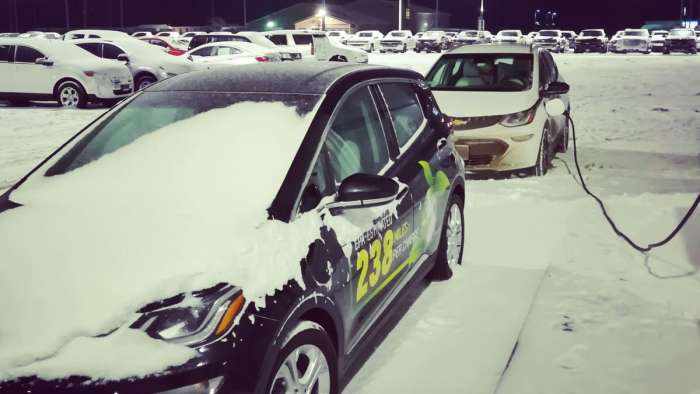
x: 6, y: 52
x: 545, y: 73
x: 206, y: 51
x: 77, y: 36
x: 92, y: 47
x: 94, y: 36
x: 355, y: 140
x: 278, y: 39
x: 404, y: 108
x: 302, y: 39
x: 552, y: 67
x: 27, y: 55
x: 110, y: 51
x: 227, y: 51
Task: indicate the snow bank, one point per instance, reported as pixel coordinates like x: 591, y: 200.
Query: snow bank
x: 180, y: 209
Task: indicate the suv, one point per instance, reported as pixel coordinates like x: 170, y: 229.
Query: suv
x: 366, y: 39
x: 551, y: 39
x: 681, y: 40
x: 397, y: 41
x: 266, y: 279
x: 432, y: 41
x: 316, y: 44
x: 510, y: 37
x: 593, y: 40
x: 635, y: 40
x: 339, y: 35
x: 658, y: 40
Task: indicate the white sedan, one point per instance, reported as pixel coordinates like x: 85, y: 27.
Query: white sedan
x: 507, y: 103
x: 48, y: 70
x: 231, y: 53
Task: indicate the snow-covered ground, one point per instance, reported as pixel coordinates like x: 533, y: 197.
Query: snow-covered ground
x: 542, y: 268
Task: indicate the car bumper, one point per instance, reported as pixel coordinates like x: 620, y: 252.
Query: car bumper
x: 391, y: 47
x: 498, y: 148
x: 590, y: 46
x: 681, y: 46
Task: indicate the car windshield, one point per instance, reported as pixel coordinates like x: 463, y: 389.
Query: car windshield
x: 592, y: 33
x: 482, y: 72
x: 152, y: 111
x: 365, y: 35
x: 549, y: 33
x: 682, y: 33
x: 660, y: 34
x: 469, y: 33
x: 508, y: 34
x: 398, y: 34
x: 635, y: 33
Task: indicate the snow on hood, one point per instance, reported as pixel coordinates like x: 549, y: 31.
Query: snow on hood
x: 470, y: 104
x: 177, y: 210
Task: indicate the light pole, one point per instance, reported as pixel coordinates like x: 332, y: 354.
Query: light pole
x: 245, y: 13
x: 437, y: 16
x: 322, y: 15
x: 67, y: 12
x: 85, y: 13
x: 400, y: 15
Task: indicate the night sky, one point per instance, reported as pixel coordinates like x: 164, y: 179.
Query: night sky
x: 608, y: 14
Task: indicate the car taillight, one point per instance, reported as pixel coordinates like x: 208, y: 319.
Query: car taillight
x: 262, y: 59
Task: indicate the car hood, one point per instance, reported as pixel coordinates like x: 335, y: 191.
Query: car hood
x: 470, y: 104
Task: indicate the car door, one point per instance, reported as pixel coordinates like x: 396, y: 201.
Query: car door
x: 34, y: 78
x: 423, y: 161
x: 375, y: 240
x: 7, y: 67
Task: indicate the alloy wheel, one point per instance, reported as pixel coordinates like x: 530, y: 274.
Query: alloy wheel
x: 455, y: 235
x: 69, y: 97
x: 304, y: 371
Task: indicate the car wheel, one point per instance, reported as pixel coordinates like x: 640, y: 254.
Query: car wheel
x: 307, y: 363
x: 543, y: 157
x: 145, y: 81
x: 71, y: 95
x: 405, y: 48
x: 451, y: 248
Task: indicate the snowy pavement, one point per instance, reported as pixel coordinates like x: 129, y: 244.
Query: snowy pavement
x: 541, y: 266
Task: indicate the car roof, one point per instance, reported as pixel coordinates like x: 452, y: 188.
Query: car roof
x: 294, y: 77
x: 501, y: 48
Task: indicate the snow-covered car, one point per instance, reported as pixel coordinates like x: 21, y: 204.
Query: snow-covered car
x: 316, y: 45
x: 591, y: 40
x: 451, y: 39
x: 219, y: 36
x: 260, y: 39
x: 614, y: 43
x: 298, y: 41
x: 506, y: 104
x: 40, y: 34
x: 681, y: 40
x: 191, y: 34
x: 552, y: 40
x: 53, y: 70
x: 168, y: 34
x: 147, y: 63
x: 180, y: 265
x: 167, y: 45
x: 139, y: 34
x: 232, y: 53
x: 397, y: 41
x: 635, y: 40
x: 658, y: 40
x: 432, y: 41
x: 530, y: 37
x: 570, y: 39
x: 103, y: 34
x: 509, y: 37
x: 339, y: 35
x: 367, y: 40
x: 468, y: 37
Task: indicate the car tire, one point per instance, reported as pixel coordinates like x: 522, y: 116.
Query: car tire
x: 371, y: 48
x: 144, y: 81
x: 564, y: 140
x: 405, y: 48
x: 338, y: 58
x: 451, y: 237
x: 70, y: 94
x: 310, y: 343
x: 543, y: 160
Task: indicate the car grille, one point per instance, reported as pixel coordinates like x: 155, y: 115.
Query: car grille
x: 482, y: 151
x: 475, y: 160
x: 358, y: 43
x: 478, y: 122
x: 391, y: 43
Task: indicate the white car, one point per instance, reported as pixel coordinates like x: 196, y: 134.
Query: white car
x: 191, y: 34
x: 292, y: 40
x: 397, y: 41
x: 658, y: 40
x: 146, y: 62
x: 635, y: 40
x: 231, y: 53
x: 316, y: 45
x: 48, y: 70
x: 509, y: 37
x: 697, y: 39
x: 103, y: 34
x: 259, y: 39
x: 614, y: 42
x: 367, y: 40
x: 40, y: 34
x: 530, y: 37
x: 168, y: 34
x: 506, y: 103
x: 570, y: 38
x: 551, y: 39
x: 472, y: 37
x: 339, y: 35
x: 432, y: 41
x: 141, y: 34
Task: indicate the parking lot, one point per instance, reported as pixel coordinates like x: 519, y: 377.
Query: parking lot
x: 541, y: 268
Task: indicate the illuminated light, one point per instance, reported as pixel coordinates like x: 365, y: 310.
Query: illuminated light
x: 271, y: 24
x: 231, y: 312
x: 321, y: 12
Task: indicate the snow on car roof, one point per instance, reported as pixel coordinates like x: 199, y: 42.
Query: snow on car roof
x: 56, y: 48
x: 485, y: 48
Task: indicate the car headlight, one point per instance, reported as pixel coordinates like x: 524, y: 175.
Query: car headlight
x: 193, y: 318
x: 519, y: 118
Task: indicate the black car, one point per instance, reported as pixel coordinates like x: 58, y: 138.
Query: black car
x: 591, y: 40
x: 376, y: 153
x: 681, y: 40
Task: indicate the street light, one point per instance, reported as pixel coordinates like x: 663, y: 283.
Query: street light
x: 322, y: 14
x: 270, y: 24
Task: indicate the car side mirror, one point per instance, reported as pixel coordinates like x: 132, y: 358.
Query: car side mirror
x: 190, y: 58
x: 123, y: 57
x: 365, y: 190
x: 556, y: 89
x: 44, y: 61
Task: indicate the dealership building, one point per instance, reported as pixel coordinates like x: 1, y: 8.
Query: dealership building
x: 379, y: 15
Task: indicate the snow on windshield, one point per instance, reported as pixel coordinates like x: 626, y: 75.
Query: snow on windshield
x: 179, y: 209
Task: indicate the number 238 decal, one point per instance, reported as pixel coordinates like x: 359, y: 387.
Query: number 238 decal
x: 380, y: 256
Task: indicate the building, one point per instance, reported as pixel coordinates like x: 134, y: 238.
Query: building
x: 379, y: 15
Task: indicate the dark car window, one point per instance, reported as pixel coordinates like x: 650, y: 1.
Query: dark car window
x: 91, y: 47
x: 206, y: 51
x: 278, y: 39
x: 77, y: 36
x: 225, y: 38
x: 355, y: 141
x: 94, y: 36
x: 482, y: 72
x: 6, y: 52
x: 110, y: 51
x: 159, y: 43
x: 405, y: 110
x: 27, y: 55
x: 302, y: 39
x: 198, y: 41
